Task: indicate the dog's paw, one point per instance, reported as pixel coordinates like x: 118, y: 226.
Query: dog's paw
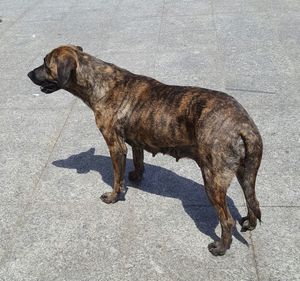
x: 109, y: 197
x: 217, y: 248
x: 246, y: 224
x: 135, y: 176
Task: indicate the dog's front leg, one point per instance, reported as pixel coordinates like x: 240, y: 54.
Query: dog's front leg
x: 138, y: 161
x: 118, y: 151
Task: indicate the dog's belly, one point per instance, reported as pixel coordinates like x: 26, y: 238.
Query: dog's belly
x: 188, y: 151
x: 170, y: 138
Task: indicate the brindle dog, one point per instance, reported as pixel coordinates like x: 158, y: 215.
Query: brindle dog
x: 208, y: 126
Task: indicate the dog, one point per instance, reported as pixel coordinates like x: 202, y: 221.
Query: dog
x: 208, y: 126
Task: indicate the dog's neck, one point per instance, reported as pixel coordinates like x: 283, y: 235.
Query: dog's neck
x: 94, y: 80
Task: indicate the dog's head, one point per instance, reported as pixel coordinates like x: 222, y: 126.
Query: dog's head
x: 58, y: 69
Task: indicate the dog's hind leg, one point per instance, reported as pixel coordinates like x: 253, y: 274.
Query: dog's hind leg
x: 138, y: 161
x: 216, y: 185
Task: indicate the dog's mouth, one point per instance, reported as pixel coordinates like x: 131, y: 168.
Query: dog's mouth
x: 46, y: 86
x: 49, y: 87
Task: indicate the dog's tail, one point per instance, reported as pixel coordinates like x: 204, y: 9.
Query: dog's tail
x: 248, y: 169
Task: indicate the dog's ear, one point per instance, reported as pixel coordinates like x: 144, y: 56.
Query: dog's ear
x: 79, y: 48
x: 65, y: 68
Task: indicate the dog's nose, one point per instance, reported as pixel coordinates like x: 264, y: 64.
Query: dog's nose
x: 30, y: 75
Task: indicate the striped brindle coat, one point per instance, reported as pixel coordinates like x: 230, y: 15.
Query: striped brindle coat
x: 207, y: 126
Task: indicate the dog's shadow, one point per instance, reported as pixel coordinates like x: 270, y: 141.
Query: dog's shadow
x: 159, y: 181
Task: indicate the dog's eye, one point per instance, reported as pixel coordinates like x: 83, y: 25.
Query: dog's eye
x: 46, y: 66
x: 47, y: 69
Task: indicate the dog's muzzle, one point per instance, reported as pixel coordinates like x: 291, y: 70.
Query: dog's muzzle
x: 46, y: 86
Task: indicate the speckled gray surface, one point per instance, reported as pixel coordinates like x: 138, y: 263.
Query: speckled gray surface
x: 54, y: 164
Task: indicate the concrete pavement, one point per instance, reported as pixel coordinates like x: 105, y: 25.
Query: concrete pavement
x: 54, y: 164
